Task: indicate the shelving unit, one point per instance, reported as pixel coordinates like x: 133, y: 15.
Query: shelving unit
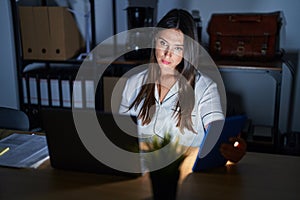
x: 48, y: 77
x: 261, y: 137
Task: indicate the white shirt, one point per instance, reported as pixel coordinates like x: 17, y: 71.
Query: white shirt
x: 207, y: 108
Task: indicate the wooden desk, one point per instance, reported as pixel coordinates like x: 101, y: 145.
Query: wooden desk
x: 257, y: 176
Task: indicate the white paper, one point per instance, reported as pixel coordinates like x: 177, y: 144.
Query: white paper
x: 25, y: 150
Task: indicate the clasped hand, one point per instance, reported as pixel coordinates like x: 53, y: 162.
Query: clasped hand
x: 234, y: 153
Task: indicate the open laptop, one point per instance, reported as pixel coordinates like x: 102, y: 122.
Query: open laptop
x: 209, y: 155
x: 68, y: 152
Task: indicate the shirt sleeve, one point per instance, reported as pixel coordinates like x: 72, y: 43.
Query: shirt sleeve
x: 210, y: 102
x: 130, y: 92
x: 124, y: 105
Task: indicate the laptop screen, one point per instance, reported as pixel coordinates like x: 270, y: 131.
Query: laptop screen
x: 67, y: 149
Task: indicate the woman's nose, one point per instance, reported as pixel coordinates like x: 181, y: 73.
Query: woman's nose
x: 168, y: 52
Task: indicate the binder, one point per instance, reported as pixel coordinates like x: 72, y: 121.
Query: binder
x: 44, y: 92
x: 89, y: 94
x: 40, y: 17
x: 77, y: 94
x: 66, y: 95
x: 29, y: 44
x: 55, y: 100
x: 33, y: 90
x: 25, y: 98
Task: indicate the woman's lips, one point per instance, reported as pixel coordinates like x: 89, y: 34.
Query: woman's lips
x: 165, y: 62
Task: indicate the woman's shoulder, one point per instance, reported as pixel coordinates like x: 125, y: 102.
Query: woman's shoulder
x: 137, y: 78
x: 203, y: 81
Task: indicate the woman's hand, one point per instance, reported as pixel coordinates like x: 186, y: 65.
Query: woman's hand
x: 235, y: 150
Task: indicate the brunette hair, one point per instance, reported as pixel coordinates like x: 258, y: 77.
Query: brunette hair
x: 181, y: 20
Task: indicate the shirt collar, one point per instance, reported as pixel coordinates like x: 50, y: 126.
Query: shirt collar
x: 174, y: 90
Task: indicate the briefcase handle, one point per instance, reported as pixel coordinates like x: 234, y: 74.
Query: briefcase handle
x: 244, y: 18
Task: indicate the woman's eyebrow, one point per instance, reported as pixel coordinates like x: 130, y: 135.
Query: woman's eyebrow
x: 169, y: 42
x: 163, y: 39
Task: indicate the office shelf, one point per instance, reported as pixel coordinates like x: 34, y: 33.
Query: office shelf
x: 36, y: 75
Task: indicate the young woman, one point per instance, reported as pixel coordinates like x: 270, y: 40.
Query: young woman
x: 173, y: 95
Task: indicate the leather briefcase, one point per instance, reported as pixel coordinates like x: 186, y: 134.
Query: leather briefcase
x: 252, y: 36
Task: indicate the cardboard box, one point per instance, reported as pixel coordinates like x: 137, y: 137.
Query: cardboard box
x: 42, y: 32
x: 49, y: 33
x: 28, y: 34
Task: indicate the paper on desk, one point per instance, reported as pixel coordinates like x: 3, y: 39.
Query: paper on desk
x: 25, y: 151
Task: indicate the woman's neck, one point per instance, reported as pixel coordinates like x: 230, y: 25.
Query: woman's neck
x: 165, y: 83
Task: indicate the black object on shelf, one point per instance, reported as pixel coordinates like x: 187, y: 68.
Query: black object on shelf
x: 198, y: 21
x: 138, y: 17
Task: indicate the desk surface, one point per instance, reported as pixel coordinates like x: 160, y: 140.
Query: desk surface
x: 257, y: 176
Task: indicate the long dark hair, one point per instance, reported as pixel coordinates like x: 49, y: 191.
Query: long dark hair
x: 181, y: 20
